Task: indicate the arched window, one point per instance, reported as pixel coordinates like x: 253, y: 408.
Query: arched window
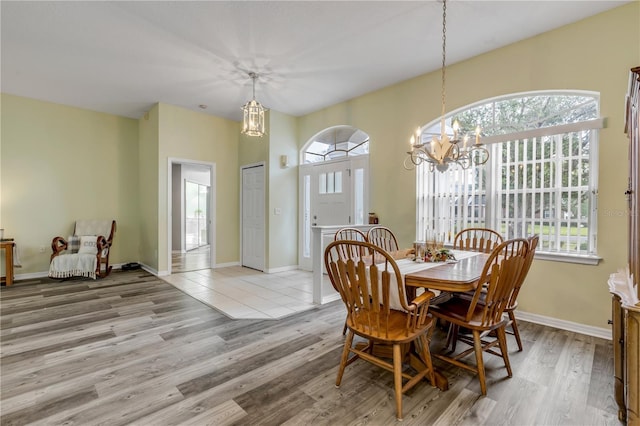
x: 541, y: 177
x: 336, y: 142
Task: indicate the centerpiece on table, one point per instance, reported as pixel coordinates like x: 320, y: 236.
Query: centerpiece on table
x: 438, y: 255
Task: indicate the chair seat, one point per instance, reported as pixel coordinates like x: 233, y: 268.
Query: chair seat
x: 456, y: 311
x: 366, y: 324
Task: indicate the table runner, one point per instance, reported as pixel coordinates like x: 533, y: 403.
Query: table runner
x: 408, y: 266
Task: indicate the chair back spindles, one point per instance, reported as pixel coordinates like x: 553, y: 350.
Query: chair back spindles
x: 533, y: 244
x: 477, y: 239
x: 383, y: 237
x: 349, y: 234
x: 500, y: 275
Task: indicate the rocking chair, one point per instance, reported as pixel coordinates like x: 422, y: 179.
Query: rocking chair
x: 85, y: 253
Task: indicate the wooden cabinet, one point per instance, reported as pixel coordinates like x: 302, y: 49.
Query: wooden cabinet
x: 626, y: 319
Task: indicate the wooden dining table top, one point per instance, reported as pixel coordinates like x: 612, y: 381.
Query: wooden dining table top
x: 460, y: 276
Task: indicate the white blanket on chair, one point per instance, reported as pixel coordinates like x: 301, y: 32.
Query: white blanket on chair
x: 73, y: 265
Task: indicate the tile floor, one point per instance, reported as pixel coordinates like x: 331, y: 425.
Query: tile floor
x: 245, y: 293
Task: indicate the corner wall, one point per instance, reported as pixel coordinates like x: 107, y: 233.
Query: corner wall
x: 60, y: 164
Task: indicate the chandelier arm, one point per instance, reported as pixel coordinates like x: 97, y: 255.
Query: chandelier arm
x: 431, y: 158
x: 409, y: 165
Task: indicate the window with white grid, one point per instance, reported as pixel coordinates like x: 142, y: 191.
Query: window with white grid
x: 538, y: 180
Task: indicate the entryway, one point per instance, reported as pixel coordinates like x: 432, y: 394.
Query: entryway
x: 191, y: 211
x: 333, y: 184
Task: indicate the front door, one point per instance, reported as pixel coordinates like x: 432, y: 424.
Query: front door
x: 331, y: 193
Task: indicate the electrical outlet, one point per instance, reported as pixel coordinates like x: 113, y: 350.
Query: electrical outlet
x: 42, y: 249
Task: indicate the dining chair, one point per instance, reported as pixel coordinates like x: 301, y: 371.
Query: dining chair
x: 513, y: 302
x: 365, y: 283
x: 501, y: 273
x: 349, y: 234
x: 477, y: 239
x: 383, y: 237
x: 472, y: 239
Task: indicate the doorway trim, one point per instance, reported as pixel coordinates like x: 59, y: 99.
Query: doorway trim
x: 212, y: 207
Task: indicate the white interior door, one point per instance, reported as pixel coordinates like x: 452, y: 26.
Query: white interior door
x: 253, y: 217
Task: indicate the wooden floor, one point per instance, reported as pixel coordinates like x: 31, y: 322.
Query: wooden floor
x: 132, y: 349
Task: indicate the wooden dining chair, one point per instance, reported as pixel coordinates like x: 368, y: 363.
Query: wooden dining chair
x: 477, y: 239
x: 383, y: 237
x: 365, y: 283
x: 349, y: 234
x: 513, y: 300
x: 472, y: 239
x: 501, y: 274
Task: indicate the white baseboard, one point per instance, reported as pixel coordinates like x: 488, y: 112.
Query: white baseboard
x: 225, y: 265
x: 30, y: 276
x: 330, y: 298
x: 603, y: 333
x: 282, y: 269
x: 154, y: 271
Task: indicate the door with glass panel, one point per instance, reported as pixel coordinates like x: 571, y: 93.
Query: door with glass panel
x: 196, y: 223
x: 331, y: 194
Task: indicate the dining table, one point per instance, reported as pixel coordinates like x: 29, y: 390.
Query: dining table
x: 459, y: 275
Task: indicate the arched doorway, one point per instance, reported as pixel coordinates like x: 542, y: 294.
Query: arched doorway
x: 333, y: 183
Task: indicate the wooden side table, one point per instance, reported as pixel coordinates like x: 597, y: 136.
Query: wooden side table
x: 8, y: 258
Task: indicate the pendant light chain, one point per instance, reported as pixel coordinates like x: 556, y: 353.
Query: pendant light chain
x: 448, y: 148
x: 444, y: 63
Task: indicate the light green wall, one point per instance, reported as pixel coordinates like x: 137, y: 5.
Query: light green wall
x: 283, y: 192
x: 190, y: 135
x: 148, y: 134
x: 594, y: 54
x: 60, y: 164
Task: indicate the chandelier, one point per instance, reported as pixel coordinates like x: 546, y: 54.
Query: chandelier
x: 448, y: 148
x: 253, y: 114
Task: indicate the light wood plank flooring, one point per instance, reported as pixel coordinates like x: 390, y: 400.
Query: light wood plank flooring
x: 132, y: 349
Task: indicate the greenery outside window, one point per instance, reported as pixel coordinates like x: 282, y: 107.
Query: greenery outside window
x: 541, y: 177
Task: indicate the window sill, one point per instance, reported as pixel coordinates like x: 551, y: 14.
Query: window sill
x: 569, y: 258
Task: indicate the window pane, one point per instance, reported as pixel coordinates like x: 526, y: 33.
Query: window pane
x: 338, y: 182
x: 358, y: 196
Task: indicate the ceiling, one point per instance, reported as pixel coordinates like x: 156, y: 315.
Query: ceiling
x: 122, y: 57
